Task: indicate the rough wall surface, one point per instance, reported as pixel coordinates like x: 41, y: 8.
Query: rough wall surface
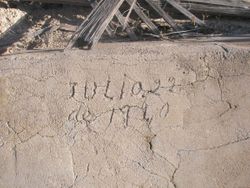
x: 127, y: 115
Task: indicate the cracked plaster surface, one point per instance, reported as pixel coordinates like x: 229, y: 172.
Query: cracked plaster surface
x: 127, y: 115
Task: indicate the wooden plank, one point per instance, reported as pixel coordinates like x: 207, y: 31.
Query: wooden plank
x: 129, y: 13
x: 217, y: 10
x: 121, y: 19
x: 128, y: 29
x: 108, y: 29
x: 184, y: 11
x: 240, y: 8
x: 162, y: 13
x: 73, y: 2
x: 144, y: 18
x: 92, y: 28
x: 228, y: 3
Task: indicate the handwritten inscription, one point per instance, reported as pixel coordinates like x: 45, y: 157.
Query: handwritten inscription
x: 126, y: 88
x: 131, y: 87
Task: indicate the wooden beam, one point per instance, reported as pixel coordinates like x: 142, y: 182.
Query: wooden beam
x: 94, y: 25
x: 184, y: 11
x: 73, y: 2
x: 121, y: 19
x: 128, y: 14
x: 164, y: 15
x: 108, y: 29
x: 217, y: 9
x: 144, y: 18
x: 128, y: 29
x: 228, y: 3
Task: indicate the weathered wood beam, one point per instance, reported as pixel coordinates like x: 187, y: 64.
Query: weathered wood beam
x: 128, y: 29
x: 144, y: 18
x: 73, y: 2
x: 184, y: 11
x: 228, y: 3
x: 108, y: 29
x: 164, y: 15
x: 94, y: 25
x: 121, y: 19
x: 128, y: 14
x: 217, y: 10
x: 240, y: 8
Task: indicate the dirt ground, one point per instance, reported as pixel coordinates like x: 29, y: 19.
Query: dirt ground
x: 9, y: 17
x: 28, y: 34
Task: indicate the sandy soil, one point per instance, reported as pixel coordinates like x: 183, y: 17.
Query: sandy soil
x: 9, y: 17
x: 29, y: 34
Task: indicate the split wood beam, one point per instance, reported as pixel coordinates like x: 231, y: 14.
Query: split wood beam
x: 108, y: 29
x: 121, y: 19
x: 92, y: 28
x: 184, y: 11
x: 144, y: 18
x: 164, y: 15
